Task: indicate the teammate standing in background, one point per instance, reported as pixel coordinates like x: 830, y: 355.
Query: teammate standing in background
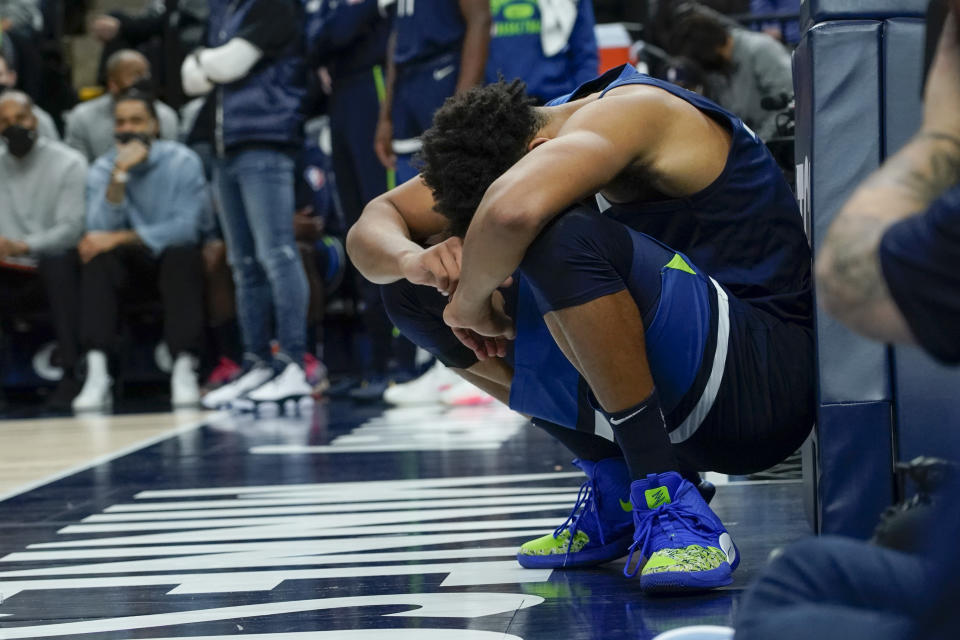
x: 350, y: 42
x: 437, y: 48
x: 551, y: 46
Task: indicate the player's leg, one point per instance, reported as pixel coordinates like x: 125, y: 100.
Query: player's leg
x: 599, y: 528
x: 418, y: 313
x: 606, y: 293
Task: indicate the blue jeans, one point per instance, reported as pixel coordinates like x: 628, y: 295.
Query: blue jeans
x: 256, y: 192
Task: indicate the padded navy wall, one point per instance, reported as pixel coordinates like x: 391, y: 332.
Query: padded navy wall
x: 816, y: 11
x: 903, y: 40
x: 838, y: 138
x: 839, y: 133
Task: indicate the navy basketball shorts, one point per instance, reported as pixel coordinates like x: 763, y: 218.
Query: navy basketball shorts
x: 420, y: 89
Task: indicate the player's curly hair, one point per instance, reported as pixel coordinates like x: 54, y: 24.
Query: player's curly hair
x: 476, y: 136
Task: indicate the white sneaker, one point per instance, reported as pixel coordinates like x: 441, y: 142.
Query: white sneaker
x: 184, y: 385
x: 291, y: 384
x: 464, y: 394
x: 225, y: 395
x: 423, y: 390
x: 97, y: 392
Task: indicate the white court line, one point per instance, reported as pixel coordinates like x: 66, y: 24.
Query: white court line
x: 84, y: 466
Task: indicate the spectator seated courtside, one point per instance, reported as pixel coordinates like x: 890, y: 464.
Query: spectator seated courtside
x: 145, y: 206
x: 90, y: 126
x: 41, y: 219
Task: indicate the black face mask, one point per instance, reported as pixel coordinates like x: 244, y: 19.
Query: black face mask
x: 20, y: 140
x: 127, y: 137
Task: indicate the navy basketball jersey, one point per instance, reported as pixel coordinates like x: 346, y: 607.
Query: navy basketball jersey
x: 427, y: 29
x: 744, y: 230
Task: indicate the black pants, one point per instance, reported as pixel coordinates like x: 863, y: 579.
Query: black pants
x: 132, y: 273
x: 834, y: 588
x: 54, y: 286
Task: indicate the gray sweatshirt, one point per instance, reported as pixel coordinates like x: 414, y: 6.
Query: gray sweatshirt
x: 761, y: 68
x: 42, y: 197
x: 90, y: 126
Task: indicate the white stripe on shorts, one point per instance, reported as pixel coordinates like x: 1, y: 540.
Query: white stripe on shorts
x: 709, y: 395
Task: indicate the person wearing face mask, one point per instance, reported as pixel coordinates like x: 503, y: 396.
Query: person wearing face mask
x: 146, y: 201
x: 41, y: 219
x: 743, y: 67
x: 8, y: 81
x: 89, y: 127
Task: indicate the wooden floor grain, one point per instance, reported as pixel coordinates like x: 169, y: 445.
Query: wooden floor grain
x: 34, y: 450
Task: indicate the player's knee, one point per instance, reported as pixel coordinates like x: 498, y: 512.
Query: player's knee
x: 401, y: 301
x: 562, y: 245
x: 576, y: 251
x: 566, y: 234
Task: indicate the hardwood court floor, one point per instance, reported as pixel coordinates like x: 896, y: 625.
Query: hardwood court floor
x: 348, y: 523
x: 34, y: 450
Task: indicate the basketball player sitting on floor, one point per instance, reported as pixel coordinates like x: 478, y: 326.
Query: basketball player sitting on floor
x: 682, y: 312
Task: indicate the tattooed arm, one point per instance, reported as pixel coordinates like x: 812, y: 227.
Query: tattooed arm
x: 850, y: 282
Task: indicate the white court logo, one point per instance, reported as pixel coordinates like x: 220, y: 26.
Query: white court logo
x: 253, y: 539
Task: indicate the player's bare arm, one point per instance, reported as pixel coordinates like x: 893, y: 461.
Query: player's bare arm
x: 851, y: 285
x: 392, y: 229
x: 476, y: 42
x: 681, y: 149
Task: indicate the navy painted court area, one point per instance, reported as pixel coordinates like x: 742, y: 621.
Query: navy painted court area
x: 352, y: 524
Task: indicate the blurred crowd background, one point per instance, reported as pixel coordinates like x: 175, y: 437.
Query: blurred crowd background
x: 177, y: 176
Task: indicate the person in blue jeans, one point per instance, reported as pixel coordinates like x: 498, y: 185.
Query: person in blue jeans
x: 887, y: 270
x: 254, y: 75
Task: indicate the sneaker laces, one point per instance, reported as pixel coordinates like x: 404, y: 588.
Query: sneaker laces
x: 586, y: 502
x: 670, y: 517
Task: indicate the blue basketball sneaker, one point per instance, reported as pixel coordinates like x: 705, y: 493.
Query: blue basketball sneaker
x: 600, y: 527
x: 685, y: 545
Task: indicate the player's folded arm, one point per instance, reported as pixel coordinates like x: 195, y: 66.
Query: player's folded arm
x: 391, y: 225
x: 593, y: 147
